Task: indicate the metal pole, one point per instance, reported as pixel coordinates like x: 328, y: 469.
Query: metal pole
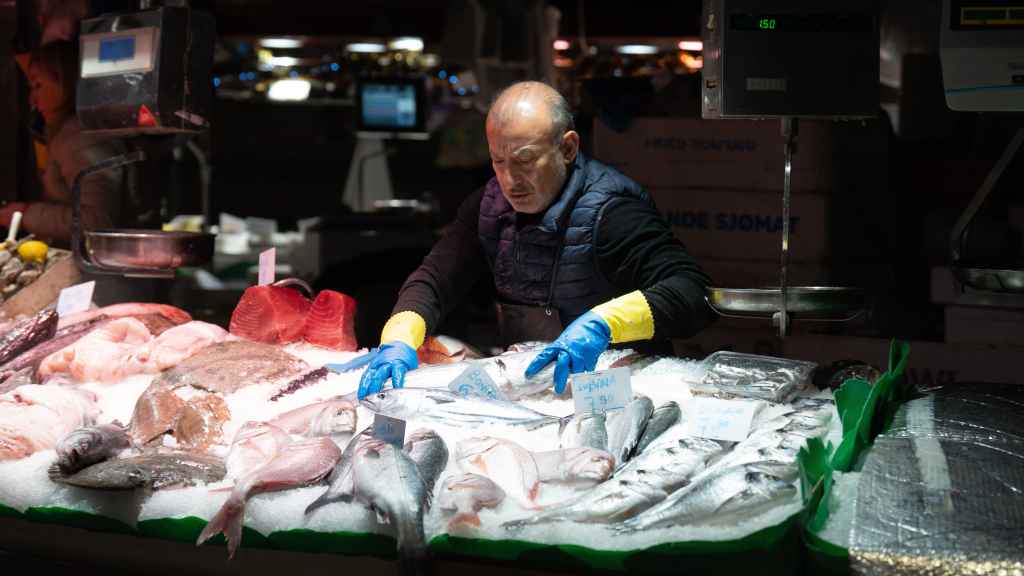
x: 789, y: 126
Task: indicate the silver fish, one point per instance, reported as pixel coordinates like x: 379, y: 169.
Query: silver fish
x: 388, y: 481
x: 664, y: 417
x: 299, y: 464
x: 430, y: 454
x: 574, y: 465
x: 584, y: 430
x: 148, y: 471
x: 626, y: 426
x: 87, y: 446
x: 450, y: 408
x: 463, y: 495
x: 340, y: 479
x: 718, y: 493
x: 333, y: 417
x: 642, y: 483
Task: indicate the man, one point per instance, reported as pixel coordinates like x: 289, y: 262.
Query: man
x: 578, y: 252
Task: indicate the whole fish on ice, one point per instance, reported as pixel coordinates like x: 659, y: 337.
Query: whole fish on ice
x: 430, y: 454
x: 300, y: 463
x: 462, y: 496
x: 26, y: 334
x: 333, y: 417
x: 626, y: 426
x: 447, y: 407
x: 255, y: 444
x: 154, y: 471
x: 510, y: 465
x: 579, y: 466
x: 86, y: 446
x: 664, y: 417
x: 340, y: 482
x: 584, y: 430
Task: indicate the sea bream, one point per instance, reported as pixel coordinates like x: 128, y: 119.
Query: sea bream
x: 430, y: 454
x: 388, y: 481
x: 332, y: 417
x: 462, y: 496
x: 340, y: 483
x: 449, y: 408
x: 718, y: 493
x: 86, y: 446
x: 642, y: 483
x: 301, y: 463
x: 510, y: 466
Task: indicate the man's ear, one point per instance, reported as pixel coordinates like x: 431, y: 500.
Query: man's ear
x: 570, y: 146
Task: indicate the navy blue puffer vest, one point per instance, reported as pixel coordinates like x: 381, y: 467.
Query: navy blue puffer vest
x: 523, y: 260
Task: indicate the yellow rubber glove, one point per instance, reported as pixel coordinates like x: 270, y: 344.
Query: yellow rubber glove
x: 407, y: 327
x: 629, y: 317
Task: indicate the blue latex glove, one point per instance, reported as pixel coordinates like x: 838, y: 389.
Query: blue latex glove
x: 393, y: 360
x: 355, y: 363
x: 576, y: 349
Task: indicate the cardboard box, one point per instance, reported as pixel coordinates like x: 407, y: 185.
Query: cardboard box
x: 735, y: 154
x: 983, y: 325
x: 745, y: 225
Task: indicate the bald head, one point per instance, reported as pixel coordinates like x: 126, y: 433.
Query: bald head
x: 532, y: 144
x: 532, y: 102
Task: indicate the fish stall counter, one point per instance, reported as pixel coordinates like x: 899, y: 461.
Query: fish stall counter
x: 134, y: 420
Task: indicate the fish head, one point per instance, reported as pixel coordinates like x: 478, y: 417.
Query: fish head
x: 337, y: 417
x: 388, y: 401
x: 590, y: 464
x: 71, y: 449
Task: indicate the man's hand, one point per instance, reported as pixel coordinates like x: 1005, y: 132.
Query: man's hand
x: 575, y: 350
x: 392, y: 361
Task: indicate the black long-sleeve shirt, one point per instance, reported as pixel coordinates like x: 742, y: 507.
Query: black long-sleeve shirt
x: 635, y: 251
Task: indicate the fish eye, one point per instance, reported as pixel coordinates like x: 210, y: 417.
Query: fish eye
x: 381, y: 396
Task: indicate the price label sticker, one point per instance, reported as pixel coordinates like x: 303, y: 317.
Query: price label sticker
x: 601, y: 391
x: 475, y: 382
x: 388, y: 429
x: 268, y: 266
x: 717, y: 419
x: 74, y: 299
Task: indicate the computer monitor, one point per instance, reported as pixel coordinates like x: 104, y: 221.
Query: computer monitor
x: 391, y: 108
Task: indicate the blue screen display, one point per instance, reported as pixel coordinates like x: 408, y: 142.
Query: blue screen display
x: 389, y: 105
x: 114, y: 49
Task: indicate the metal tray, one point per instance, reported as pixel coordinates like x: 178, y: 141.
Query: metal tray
x: 802, y: 302
x: 991, y: 279
x: 150, y: 250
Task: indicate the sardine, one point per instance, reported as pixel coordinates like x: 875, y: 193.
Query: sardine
x: 642, y: 483
x: 584, y: 430
x: 87, y: 446
x: 462, y: 496
x: 718, y: 493
x: 585, y: 466
x: 510, y: 465
x: 664, y: 417
x: 300, y: 463
x: 339, y: 481
x: 152, y: 471
x: 626, y: 426
x: 430, y: 454
x: 388, y: 481
x: 447, y: 407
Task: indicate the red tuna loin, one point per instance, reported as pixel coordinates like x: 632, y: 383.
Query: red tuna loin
x: 270, y: 314
x: 331, y: 321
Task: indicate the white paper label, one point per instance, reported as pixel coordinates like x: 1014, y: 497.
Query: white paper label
x: 388, y: 429
x: 717, y: 419
x: 601, y: 391
x: 268, y: 265
x: 74, y: 299
x: 475, y: 382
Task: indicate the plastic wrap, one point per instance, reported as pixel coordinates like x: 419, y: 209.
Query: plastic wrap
x: 752, y: 376
x: 942, y: 492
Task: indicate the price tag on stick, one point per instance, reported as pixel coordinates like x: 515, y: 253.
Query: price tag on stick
x: 717, y: 419
x: 475, y: 382
x: 74, y: 299
x: 268, y: 266
x: 601, y: 391
x: 388, y: 429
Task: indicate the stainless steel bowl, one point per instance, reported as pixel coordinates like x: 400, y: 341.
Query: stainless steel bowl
x: 991, y: 280
x: 802, y: 302
x: 148, y: 249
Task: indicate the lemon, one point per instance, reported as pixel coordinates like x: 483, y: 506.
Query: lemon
x: 33, y: 251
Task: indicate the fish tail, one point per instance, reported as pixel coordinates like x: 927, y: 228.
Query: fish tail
x: 227, y: 521
x: 464, y: 519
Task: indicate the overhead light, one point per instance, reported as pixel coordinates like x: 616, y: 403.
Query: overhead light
x: 410, y: 43
x: 637, y: 49
x: 291, y: 89
x: 366, y: 47
x: 691, y: 45
x: 282, y: 43
x: 284, y: 61
x: 561, y: 44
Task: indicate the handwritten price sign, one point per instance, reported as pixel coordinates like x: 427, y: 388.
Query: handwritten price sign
x: 601, y: 391
x: 717, y: 419
x: 475, y: 382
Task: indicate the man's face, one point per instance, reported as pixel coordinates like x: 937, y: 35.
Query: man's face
x: 46, y: 93
x: 530, y: 163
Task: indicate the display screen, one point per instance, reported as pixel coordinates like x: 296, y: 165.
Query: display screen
x: 114, y: 49
x: 828, y: 22
x: 388, y: 106
x: 990, y: 15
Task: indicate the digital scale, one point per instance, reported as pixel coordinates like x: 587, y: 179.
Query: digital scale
x: 142, y: 73
x: 789, y: 59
